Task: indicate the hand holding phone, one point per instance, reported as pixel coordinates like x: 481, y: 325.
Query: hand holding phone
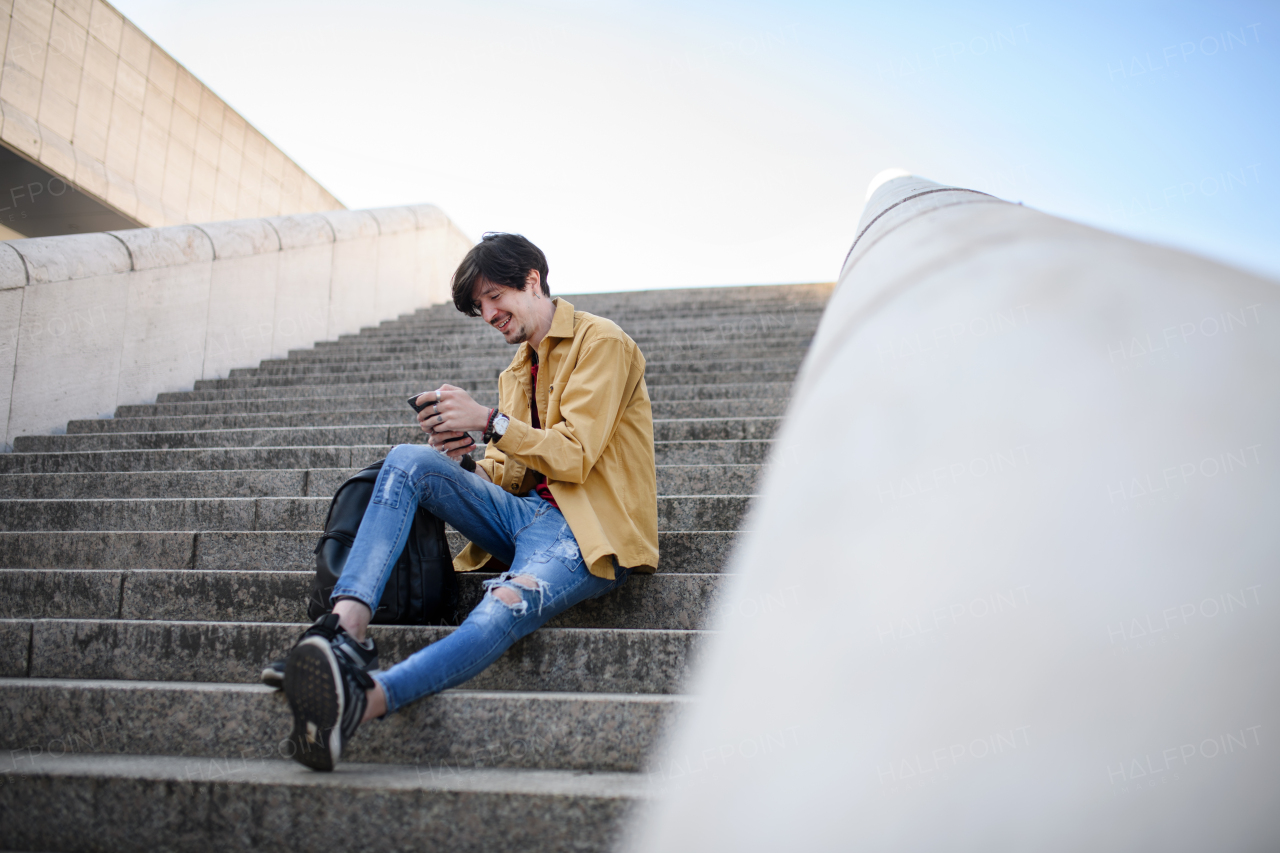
x: 466, y: 462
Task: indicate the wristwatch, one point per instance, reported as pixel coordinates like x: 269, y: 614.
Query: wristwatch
x: 499, y: 427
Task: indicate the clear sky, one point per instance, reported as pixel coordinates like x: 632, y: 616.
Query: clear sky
x: 670, y: 144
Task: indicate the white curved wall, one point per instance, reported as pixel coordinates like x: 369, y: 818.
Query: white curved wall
x: 1024, y: 595
x: 92, y: 321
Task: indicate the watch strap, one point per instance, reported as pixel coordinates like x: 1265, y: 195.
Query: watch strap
x: 500, y: 420
x: 489, y: 434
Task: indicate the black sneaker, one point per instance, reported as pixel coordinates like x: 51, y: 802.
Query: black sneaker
x: 326, y: 692
x: 273, y: 673
x: 363, y: 655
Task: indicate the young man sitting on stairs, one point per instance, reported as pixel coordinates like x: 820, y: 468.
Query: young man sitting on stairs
x: 566, y: 496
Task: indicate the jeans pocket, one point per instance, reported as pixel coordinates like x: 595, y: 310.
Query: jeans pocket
x: 390, y: 483
x: 537, y: 516
x: 564, y: 549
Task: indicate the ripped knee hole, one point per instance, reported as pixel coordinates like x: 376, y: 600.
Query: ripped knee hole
x: 507, y: 595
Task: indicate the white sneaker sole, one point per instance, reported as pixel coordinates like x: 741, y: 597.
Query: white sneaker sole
x: 272, y: 677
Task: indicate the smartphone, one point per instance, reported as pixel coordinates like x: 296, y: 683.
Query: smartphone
x: 467, y: 463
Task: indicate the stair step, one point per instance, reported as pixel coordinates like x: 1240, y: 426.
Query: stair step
x: 668, y: 600
x: 323, y: 415
x: 274, y: 405
x: 684, y: 512
x: 401, y: 389
x: 125, y: 802
x: 728, y: 452
x: 593, y: 660
x: 455, y: 729
x: 720, y: 404
x: 428, y: 358
x: 243, y: 438
x: 753, y: 320
x: 246, y: 550
x: 306, y: 482
x: 656, y: 347
x: 405, y: 432
x: 192, y: 459
x: 424, y: 380
x: 243, y: 483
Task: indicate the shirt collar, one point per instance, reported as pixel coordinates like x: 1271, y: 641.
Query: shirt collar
x: 562, y: 322
x: 561, y: 327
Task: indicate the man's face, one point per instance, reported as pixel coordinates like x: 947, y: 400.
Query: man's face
x: 515, y: 313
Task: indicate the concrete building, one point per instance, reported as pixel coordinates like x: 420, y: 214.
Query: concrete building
x: 100, y: 130
x: 110, y: 153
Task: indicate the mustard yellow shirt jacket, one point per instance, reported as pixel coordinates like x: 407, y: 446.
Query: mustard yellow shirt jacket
x: 596, y: 444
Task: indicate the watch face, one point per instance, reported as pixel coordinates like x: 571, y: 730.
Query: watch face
x: 500, y: 424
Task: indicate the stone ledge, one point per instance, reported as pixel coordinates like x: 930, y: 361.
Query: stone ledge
x: 127, y: 802
x: 455, y: 730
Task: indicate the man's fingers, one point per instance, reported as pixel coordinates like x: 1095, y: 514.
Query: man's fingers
x: 451, y: 396
x: 446, y: 403
x: 454, y: 444
x: 460, y: 448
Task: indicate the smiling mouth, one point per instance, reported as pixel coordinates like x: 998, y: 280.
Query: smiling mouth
x: 503, y: 326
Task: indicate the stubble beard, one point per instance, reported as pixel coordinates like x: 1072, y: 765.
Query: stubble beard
x: 521, y: 334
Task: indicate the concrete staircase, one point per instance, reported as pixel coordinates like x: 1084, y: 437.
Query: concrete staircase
x: 151, y: 564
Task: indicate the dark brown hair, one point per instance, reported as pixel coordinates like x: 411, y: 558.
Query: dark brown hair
x: 503, y: 259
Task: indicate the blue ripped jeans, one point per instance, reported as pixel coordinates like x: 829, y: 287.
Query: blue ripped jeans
x: 527, y: 533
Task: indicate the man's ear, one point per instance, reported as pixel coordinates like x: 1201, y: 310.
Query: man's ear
x: 534, y: 279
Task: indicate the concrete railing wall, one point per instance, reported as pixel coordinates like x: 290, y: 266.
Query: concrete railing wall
x: 89, y: 322
x: 1027, y: 599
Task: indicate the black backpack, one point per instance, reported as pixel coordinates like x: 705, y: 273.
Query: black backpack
x: 422, y: 589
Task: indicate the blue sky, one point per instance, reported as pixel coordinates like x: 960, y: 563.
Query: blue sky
x: 672, y: 144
